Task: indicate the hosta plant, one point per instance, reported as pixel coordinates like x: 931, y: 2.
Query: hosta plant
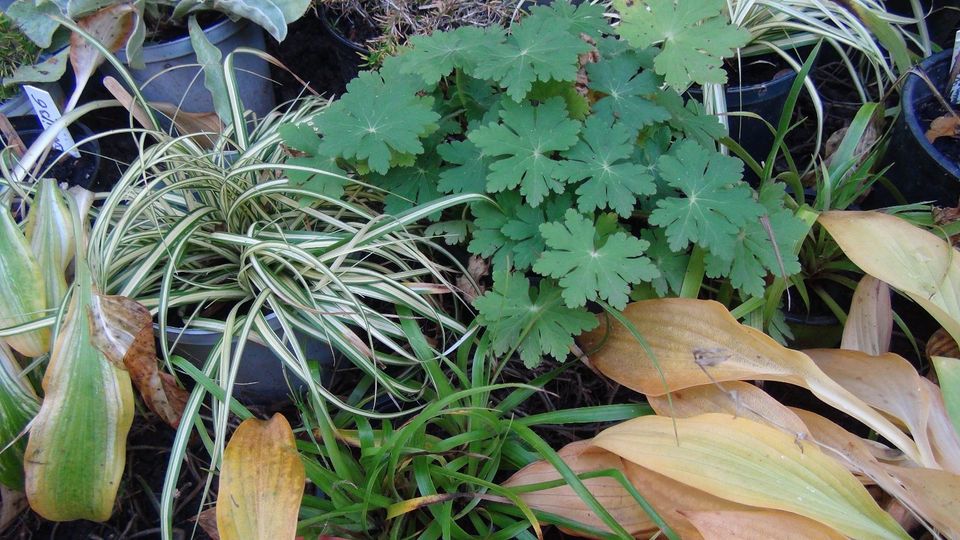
x: 603, y: 181
x: 722, y: 456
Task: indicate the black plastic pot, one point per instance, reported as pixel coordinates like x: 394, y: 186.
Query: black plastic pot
x: 919, y: 169
x: 261, y: 378
x: 766, y: 100
x: 80, y: 171
x: 811, y: 331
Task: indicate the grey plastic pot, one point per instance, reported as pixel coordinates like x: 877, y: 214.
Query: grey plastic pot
x: 183, y: 86
x: 19, y: 105
x: 261, y: 378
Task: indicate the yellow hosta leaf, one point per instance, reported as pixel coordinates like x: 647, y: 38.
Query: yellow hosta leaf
x: 919, y: 263
x: 736, y: 398
x: 760, y: 524
x: 22, y: 292
x: 698, y: 342
x: 581, y: 457
x: 869, y: 325
x: 943, y: 436
x: 887, y: 383
x: 261, y: 482
x: 77, y: 446
x: 933, y: 504
x: 752, y: 464
x: 49, y: 230
x: 674, y: 500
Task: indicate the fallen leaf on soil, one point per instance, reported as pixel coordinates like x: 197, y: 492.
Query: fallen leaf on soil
x: 261, y: 482
x: 122, y: 329
x: 201, y: 125
x: 869, y: 325
x: 752, y: 464
x: 947, y: 125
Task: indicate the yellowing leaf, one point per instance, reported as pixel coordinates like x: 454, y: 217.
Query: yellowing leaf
x: 22, y: 293
x: 110, y: 26
x: 581, y: 457
x: 869, y: 324
x: 753, y: 464
x: 49, y: 230
x: 935, y: 493
x: 77, y: 446
x: 887, y: 383
x: 760, y: 524
x: 853, y: 452
x: 698, y: 342
x: 736, y: 398
x: 919, y: 263
x: 945, y: 439
x: 261, y: 482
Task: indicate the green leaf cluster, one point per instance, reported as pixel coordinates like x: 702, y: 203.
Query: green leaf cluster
x: 601, y: 178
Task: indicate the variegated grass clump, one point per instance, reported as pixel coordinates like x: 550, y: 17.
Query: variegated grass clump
x: 875, y: 45
x: 189, y: 227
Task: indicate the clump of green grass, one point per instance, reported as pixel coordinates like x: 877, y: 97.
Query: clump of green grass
x: 16, y: 50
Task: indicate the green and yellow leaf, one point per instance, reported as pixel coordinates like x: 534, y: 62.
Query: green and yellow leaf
x: 18, y: 405
x: 22, y: 291
x: 753, y: 464
x: 77, y: 447
x: 261, y: 482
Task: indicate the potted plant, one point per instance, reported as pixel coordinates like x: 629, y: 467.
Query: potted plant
x: 925, y: 162
x: 297, y: 273
x: 861, y: 33
x: 150, y: 56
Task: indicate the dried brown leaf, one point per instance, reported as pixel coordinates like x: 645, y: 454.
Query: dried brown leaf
x: 947, y: 125
x: 122, y: 329
x: 110, y: 26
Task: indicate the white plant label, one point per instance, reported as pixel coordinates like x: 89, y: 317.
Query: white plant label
x: 48, y: 113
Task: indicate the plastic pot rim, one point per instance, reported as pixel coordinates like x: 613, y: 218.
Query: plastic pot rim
x: 160, y: 51
x: 910, y: 98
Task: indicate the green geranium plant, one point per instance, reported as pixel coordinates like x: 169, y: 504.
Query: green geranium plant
x: 603, y: 182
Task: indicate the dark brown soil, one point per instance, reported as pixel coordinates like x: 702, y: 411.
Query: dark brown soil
x: 315, y: 56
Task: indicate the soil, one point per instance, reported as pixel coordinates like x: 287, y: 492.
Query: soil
x: 755, y: 70
x: 76, y: 171
x: 325, y: 63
